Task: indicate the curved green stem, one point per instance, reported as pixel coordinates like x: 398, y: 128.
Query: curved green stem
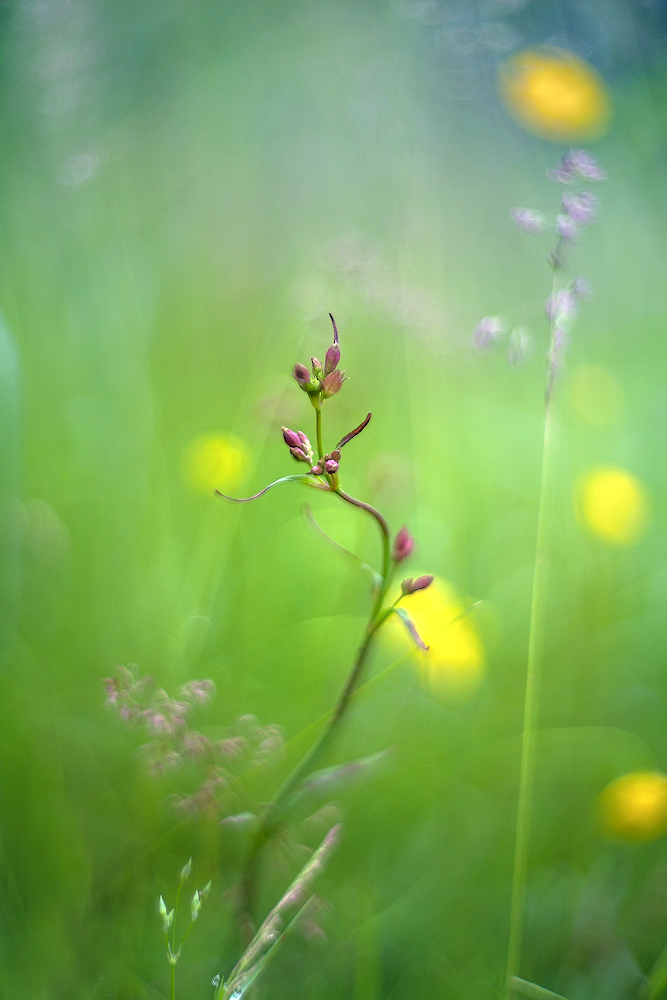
x: 387, y: 568
x: 274, y: 812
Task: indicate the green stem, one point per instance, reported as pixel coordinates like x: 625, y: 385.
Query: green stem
x: 275, y: 811
x: 318, y: 431
x: 531, y: 704
x: 173, y: 981
x: 173, y: 933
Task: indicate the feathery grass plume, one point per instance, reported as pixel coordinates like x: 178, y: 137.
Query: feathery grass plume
x: 173, y: 743
x: 578, y: 209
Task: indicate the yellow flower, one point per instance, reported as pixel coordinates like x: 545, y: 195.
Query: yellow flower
x: 634, y: 807
x: 454, y: 662
x: 554, y: 94
x: 215, y: 462
x: 613, y: 504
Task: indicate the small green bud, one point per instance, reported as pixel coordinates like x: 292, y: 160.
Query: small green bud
x: 172, y: 957
x: 185, y: 870
x: 162, y: 907
x: 205, y: 891
x: 195, y: 906
x: 167, y: 918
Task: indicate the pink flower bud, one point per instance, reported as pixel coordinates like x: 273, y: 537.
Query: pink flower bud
x: 335, y: 454
x: 411, y: 586
x: 316, y: 470
x: 331, y: 466
x: 332, y: 384
x: 292, y: 438
x: 302, y: 375
x: 404, y: 544
x: 305, y: 443
x: 299, y: 455
x: 332, y: 359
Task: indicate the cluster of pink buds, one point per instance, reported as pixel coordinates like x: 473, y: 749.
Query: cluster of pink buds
x: 326, y: 379
x: 299, y: 445
x: 328, y: 464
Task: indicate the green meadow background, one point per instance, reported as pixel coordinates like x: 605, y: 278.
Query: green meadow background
x: 186, y: 190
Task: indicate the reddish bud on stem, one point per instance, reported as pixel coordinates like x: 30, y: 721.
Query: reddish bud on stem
x: 332, y: 384
x: 302, y: 375
x: 332, y: 358
x: 411, y: 586
x: 404, y: 545
x: 292, y: 438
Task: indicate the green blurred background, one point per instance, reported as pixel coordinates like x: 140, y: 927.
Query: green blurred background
x: 186, y: 190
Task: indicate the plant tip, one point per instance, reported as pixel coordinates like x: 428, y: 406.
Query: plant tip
x: 335, y: 328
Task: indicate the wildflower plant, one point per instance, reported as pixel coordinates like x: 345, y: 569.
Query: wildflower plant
x: 172, y: 741
x: 578, y: 209
x: 320, y: 383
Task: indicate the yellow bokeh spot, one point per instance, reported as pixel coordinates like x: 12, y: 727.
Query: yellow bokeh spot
x: 454, y: 662
x: 634, y: 807
x: 215, y: 462
x: 596, y: 395
x: 554, y: 94
x: 613, y: 505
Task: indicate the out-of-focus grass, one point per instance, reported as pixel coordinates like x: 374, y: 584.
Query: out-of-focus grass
x: 187, y: 191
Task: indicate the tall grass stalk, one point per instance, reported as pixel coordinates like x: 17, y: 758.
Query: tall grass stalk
x: 577, y: 210
x: 531, y: 706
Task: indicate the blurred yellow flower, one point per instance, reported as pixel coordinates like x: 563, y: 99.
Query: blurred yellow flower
x: 613, y: 505
x: 634, y: 807
x: 454, y: 662
x: 215, y: 462
x: 554, y: 94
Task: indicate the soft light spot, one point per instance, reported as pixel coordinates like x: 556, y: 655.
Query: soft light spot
x: 597, y: 397
x: 215, y: 462
x: 634, y: 807
x: 454, y: 662
x: 554, y: 94
x: 613, y: 505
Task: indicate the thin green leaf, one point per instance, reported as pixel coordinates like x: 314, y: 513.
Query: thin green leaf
x: 273, y: 929
x: 306, y: 480
x: 331, y: 780
x: 352, y: 434
x: 411, y: 627
x: 656, y: 984
x: 308, y: 514
x: 527, y: 989
x: 236, y: 988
